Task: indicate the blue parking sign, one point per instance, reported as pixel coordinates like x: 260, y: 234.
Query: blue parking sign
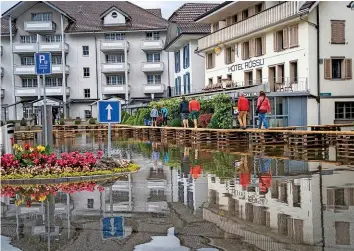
x: 112, y: 227
x: 43, y: 62
x: 109, y: 111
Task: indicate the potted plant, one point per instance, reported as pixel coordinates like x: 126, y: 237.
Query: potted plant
x: 23, y: 124
x: 77, y: 121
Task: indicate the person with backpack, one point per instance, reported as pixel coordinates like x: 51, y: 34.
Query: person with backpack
x: 164, y: 112
x: 263, y: 107
x: 184, y: 110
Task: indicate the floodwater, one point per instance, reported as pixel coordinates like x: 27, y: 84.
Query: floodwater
x: 189, y: 198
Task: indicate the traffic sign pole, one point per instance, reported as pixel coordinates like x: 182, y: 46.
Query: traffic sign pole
x: 109, y: 140
x: 45, y: 113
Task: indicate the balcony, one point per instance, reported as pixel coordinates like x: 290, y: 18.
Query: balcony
x: 20, y: 70
x: 24, y: 48
x: 33, y: 91
x: 152, y: 66
x: 113, y: 89
x: 262, y: 20
x: 43, y: 47
x: 154, y: 88
x: 39, y: 26
x: 2, y: 93
x: 152, y: 45
x: 117, y: 45
x: 114, y: 67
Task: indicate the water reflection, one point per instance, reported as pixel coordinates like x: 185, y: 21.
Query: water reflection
x: 236, y: 199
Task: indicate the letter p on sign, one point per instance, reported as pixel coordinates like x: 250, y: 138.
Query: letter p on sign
x: 41, y: 59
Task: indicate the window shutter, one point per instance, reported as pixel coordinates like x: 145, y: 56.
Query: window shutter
x: 207, y: 61
x: 348, y: 68
x: 243, y: 51
x: 327, y: 69
x: 338, y: 31
x: 330, y: 197
x: 349, y: 192
x: 213, y: 60
x: 291, y: 73
x: 252, y: 49
x: 296, y: 35
x: 226, y: 55
x: 285, y: 38
x: 275, y: 42
x: 279, y: 74
x: 247, y: 80
x: 184, y: 84
x: 263, y: 45
x: 251, y: 11
x: 232, y: 53
x: 228, y: 21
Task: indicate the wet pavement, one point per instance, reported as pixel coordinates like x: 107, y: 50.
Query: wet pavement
x: 188, y: 198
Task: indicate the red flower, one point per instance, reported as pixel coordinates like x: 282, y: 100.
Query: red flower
x: 27, y: 146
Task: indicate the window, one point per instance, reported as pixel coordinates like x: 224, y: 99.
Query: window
x: 230, y: 55
x: 53, y: 38
x: 272, y: 79
x: 280, y: 74
x: 235, y: 19
x: 153, y: 57
x: 28, y: 60
x: 293, y: 33
x: 52, y: 82
x: 259, y: 76
x: 56, y: 59
x: 85, y: 50
x: 42, y: 17
x: 89, y: 201
x: 87, y: 93
x: 154, y: 79
x: 218, y: 79
x: 114, y: 14
x: 88, y: 115
x: 245, y: 14
x: 246, y: 50
x: 342, y: 232
x: 177, y: 62
x: 116, y: 80
x: 293, y: 72
x: 28, y: 39
x: 210, y: 81
x: 259, y: 8
x: 248, y: 78
x: 86, y: 72
x: 229, y: 76
x: 278, y: 41
x: 337, y: 31
x: 29, y: 82
x: 186, y: 56
x: 215, y: 26
x: 153, y: 35
x: 344, y: 110
x: 28, y: 112
x: 178, y: 86
x: 210, y: 60
x: 186, y: 83
x: 115, y: 58
x: 258, y: 43
x: 338, y: 68
x: 114, y: 36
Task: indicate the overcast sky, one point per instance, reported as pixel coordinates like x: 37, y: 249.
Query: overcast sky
x: 167, y: 7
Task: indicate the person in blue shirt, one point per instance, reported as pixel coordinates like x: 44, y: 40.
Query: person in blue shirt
x: 154, y: 114
x: 164, y: 112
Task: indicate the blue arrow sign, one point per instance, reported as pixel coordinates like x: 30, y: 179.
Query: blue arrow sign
x: 112, y: 227
x: 43, y: 62
x: 109, y: 111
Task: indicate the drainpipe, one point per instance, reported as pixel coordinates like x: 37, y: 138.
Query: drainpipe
x: 126, y: 75
x: 96, y: 71
x: 168, y: 75
x: 63, y: 63
x: 318, y: 65
x: 12, y: 66
x: 38, y: 76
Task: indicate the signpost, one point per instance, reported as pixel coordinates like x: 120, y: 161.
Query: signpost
x: 109, y: 111
x: 43, y: 62
x: 112, y: 227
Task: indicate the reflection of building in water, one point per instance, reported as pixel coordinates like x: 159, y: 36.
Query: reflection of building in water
x: 291, y: 207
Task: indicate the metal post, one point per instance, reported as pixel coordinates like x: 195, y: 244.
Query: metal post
x: 130, y: 191
x: 68, y: 211
x: 38, y: 76
x: 109, y: 140
x: 45, y: 113
x: 111, y: 199
x: 12, y: 67
x: 126, y: 74
x: 48, y: 225
x: 63, y: 63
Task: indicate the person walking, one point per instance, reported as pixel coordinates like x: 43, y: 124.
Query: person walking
x: 164, y: 112
x: 194, y: 108
x: 263, y: 107
x: 243, y: 108
x: 154, y: 114
x: 184, y: 110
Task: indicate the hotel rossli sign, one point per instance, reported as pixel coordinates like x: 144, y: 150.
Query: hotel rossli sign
x: 246, y: 65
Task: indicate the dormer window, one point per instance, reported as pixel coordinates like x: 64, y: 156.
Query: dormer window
x: 42, y: 17
x: 114, y: 14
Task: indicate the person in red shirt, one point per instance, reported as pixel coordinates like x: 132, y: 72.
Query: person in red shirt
x: 243, y: 108
x: 265, y: 175
x: 245, y: 173
x: 194, y: 108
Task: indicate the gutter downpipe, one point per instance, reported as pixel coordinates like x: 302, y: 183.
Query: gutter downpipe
x: 318, y: 64
x: 96, y: 59
x: 63, y: 62
x: 12, y: 67
x: 126, y: 75
x: 168, y: 94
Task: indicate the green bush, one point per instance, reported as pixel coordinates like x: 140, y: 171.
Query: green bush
x: 222, y: 117
x: 23, y: 122
x: 77, y: 121
x: 11, y: 122
x: 62, y: 121
x: 130, y: 120
x: 125, y: 117
x: 92, y: 121
x: 141, y: 115
x: 177, y: 122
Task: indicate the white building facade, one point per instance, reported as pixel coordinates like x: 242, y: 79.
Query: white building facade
x: 99, y: 50
x: 299, y: 53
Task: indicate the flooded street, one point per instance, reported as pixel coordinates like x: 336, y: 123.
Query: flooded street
x: 189, y: 198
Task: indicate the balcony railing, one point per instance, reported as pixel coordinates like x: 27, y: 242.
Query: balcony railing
x: 148, y: 45
x: 2, y: 93
x: 116, y: 45
x: 113, y: 89
x: 262, y: 20
x: 30, y: 69
x: 53, y: 47
x: 114, y: 67
x: 154, y: 88
x: 2, y: 71
x: 152, y: 66
x: 33, y: 91
x: 39, y: 26
x: 1, y: 50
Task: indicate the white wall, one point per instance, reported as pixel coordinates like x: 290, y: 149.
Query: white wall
x: 197, y: 68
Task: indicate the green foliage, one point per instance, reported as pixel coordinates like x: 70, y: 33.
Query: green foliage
x: 140, y: 115
x: 222, y: 117
x: 77, y: 121
x: 125, y: 117
x: 61, y: 121
x: 177, y: 122
x: 10, y: 122
x: 92, y: 121
x: 130, y: 120
x: 172, y: 106
x: 23, y: 122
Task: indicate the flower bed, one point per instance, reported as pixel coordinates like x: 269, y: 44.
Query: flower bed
x: 39, y: 162
x: 37, y: 193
